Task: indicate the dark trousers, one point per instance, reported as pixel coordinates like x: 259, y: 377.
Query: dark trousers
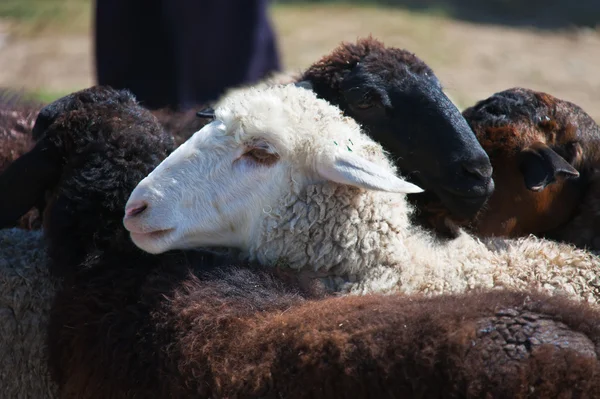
x: 182, y: 53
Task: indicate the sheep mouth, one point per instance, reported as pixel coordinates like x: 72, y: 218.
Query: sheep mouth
x: 152, y: 235
x: 464, y: 201
x: 463, y: 206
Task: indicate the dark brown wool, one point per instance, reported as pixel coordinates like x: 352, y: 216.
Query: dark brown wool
x: 327, y: 74
x: 126, y: 324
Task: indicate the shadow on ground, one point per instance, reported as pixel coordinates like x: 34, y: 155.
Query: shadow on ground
x: 541, y: 14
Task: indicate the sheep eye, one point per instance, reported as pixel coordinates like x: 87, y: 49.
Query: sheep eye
x: 360, y: 99
x: 260, y: 155
x: 366, y: 102
x: 364, y: 105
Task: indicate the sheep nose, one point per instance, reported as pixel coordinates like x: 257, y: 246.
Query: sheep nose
x: 478, y: 170
x: 135, y: 209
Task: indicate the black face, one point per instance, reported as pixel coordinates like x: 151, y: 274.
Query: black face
x: 426, y: 135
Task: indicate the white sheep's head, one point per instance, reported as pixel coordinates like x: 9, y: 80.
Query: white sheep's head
x: 264, y: 145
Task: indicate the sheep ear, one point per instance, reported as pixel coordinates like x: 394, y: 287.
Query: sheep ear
x: 25, y: 181
x: 51, y: 112
x: 541, y: 166
x: 351, y: 169
x: 206, y: 113
x: 305, y: 84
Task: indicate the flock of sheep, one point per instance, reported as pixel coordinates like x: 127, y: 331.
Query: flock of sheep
x: 346, y: 232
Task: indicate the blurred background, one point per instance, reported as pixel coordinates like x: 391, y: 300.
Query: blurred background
x: 476, y: 47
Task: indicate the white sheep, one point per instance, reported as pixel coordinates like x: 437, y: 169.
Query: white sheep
x: 26, y: 293
x: 286, y: 179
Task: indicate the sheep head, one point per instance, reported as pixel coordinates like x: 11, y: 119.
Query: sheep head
x: 264, y: 145
x: 92, y: 148
x: 400, y: 103
x: 539, y: 144
x: 542, y: 150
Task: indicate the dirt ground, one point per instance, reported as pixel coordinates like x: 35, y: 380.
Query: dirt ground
x: 473, y: 61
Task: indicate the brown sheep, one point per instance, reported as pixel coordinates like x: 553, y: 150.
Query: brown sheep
x: 126, y: 324
x: 545, y: 153
x: 239, y: 333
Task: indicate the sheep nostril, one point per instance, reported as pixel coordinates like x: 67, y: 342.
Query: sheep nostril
x: 479, y: 171
x: 135, y: 209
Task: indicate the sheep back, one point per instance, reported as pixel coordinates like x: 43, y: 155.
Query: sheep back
x: 26, y: 294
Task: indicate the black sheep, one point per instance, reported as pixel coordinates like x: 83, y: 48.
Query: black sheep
x: 400, y: 103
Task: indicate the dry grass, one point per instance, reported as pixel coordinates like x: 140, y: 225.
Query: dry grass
x: 472, y: 60
x: 41, y: 17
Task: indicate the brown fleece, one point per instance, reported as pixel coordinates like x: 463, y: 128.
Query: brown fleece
x: 194, y: 338
x: 327, y: 74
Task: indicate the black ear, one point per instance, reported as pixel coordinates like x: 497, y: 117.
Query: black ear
x: 541, y: 166
x: 49, y: 113
x: 206, y: 113
x: 24, y: 183
x: 305, y: 84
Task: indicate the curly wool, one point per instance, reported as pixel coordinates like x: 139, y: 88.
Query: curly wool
x: 26, y: 295
x: 322, y: 227
x: 466, y: 263
x: 288, y: 117
x: 327, y: 74
x: 334, y: 228
x: 365, y: 237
